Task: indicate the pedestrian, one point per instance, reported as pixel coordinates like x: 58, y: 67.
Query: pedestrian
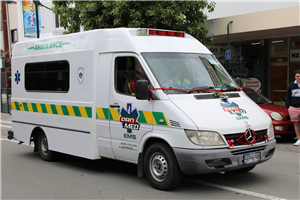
x: 293, y: 104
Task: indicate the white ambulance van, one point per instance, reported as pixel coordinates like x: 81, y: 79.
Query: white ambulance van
x: 155, y: 98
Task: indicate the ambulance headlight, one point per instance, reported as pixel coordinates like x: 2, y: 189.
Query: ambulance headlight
x: 204, y: 138
x: 276, y: 116
x: 271, y: 131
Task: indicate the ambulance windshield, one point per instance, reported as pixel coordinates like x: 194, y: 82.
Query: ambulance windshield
x: 189, y: 71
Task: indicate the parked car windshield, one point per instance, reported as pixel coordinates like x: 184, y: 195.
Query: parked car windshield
x: 189, y: 71
x: 257, y: 97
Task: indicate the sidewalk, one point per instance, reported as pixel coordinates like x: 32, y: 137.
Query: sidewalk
x: 5, y: 125
x: 4, y: 105
x: 5, y: 116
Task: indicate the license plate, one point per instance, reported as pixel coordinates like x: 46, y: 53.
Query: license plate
x: 251, y: 158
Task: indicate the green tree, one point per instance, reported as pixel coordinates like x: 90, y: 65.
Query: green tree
x: 172, y: 15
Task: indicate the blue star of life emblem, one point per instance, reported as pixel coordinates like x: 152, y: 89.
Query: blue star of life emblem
x: 17, y: 77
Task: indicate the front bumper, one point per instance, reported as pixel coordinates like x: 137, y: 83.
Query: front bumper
x: 285, y: 127
x: 220, y: 160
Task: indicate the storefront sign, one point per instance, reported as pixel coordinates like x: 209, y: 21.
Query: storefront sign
x: 252, y: 83
x: 295, y: 55
x: 220, y: 50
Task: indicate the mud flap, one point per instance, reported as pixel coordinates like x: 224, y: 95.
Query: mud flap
x: 140, y: 168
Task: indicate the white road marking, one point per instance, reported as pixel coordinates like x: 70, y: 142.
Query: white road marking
x: 264, y: 196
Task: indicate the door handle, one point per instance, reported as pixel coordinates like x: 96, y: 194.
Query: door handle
x: 115, y: 106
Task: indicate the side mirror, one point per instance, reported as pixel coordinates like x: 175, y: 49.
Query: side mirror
x: 141, y: 90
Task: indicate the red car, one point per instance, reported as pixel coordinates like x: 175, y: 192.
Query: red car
x: 279, y: 114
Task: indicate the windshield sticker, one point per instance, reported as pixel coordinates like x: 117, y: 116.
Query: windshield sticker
x: 17, y: 77
x: 50, y: 45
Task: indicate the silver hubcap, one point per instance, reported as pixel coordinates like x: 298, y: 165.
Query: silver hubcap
x: 158, y: 167
x: 44, y: 145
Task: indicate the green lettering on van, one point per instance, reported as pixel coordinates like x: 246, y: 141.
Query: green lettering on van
x: 51, y: 45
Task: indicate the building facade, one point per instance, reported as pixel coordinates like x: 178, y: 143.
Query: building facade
x: 264, y: 42
x: 14, y: 28
x: 264, y: 39
x: 8, y: 37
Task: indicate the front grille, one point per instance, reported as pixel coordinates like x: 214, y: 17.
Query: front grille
x: 248, y: 150
x: 288, y: 118
x: 236, y: 136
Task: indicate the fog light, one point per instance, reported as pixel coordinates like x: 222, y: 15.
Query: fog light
x: 279, y: 128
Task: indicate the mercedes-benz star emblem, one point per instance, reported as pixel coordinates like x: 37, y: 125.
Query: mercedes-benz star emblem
x: 249, y: 134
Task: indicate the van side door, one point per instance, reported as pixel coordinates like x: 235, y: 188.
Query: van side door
x: 130, y: 119
x: 102, y: 81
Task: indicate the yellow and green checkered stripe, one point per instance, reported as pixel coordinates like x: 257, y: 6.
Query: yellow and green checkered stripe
x: 146, y: 117
x: 76, y: 111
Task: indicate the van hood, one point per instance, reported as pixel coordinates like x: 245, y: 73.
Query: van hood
x: 212, y: 114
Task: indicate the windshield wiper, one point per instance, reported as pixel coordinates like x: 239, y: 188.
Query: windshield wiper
x: 200, y: 88
x: 230, y: 88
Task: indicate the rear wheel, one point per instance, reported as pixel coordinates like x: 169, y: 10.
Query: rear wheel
x: 44, y: 151
x: 161, y: 167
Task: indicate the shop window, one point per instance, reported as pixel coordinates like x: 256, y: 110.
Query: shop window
x: 279, y: 50
x: 294, y: 57
x: 57, y: 21
x: 14, y: 36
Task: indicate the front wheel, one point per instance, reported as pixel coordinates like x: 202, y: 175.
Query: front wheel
x: 161, y: 167
x: 44, y: 151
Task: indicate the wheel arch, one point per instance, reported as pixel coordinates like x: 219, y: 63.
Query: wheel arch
x: 149, y: 141
x: 153, y: 140
x: 34, y: 137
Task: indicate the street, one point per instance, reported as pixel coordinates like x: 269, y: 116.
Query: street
x: 24, y: 175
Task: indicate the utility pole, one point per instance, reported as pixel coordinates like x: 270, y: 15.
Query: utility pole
x: 5, y: 30
x: 5, y: 38
x: 37, y: 3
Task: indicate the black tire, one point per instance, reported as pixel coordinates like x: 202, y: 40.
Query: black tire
x: 245, y: 170
x: 288, y: 136
x: 161, y: 167
x: 44, y: 152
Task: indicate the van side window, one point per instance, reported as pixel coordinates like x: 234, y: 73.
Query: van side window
x: 127, y: 71
x: 47, y: 76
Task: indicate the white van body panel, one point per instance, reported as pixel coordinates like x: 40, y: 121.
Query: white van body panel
x: 86, y: 120
x: 101, y: 100
x: 112, y: 40
x: 216, y: 119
